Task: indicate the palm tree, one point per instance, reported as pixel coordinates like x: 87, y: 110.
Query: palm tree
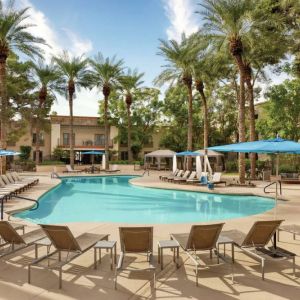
x: 106, y: 73
x: 74, y: 74
x: 181, y: 58
x: 228, y: 22
x: 13, y: 36
x: 48, y: 80
x: 130, y: 83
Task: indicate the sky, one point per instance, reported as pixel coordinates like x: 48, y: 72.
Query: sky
x: 129, y: 29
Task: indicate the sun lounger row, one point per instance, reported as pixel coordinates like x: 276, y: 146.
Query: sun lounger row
x: 12, y: 184
x: 140, y: 240
x: 180, y: 176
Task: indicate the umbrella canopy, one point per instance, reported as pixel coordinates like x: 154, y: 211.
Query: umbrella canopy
x: 161, y: 153
x: 6, y: 153
x: 210, y: 153
x: 188, y: 153
x: 276, y: 146
x: 94, y: 152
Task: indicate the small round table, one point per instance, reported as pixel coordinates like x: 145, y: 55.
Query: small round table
x: 168, y: 244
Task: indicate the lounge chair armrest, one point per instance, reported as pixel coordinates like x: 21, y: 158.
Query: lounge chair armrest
x: 151, y: 261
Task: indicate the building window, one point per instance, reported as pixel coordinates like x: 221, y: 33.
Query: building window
x: 124, y: 155
x: 99, y: 139
x: 66, y: 139
x: 41, y: 138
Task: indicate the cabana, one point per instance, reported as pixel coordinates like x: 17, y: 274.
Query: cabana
x: 216, y: 162
x: 158, y: 155
x: 185, y: 154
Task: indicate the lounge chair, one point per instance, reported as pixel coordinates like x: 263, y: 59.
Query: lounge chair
x: 21, y: 183
x: 294, y: 229
x: 164, y: 177
x: 64, y: 241
x: 179, y: 174
x: 8, y: 232
x: 200, y: 238
x: 197, y: 180
x: 183, y: 178
x: 136, y: 240
x: 29, y: 180
x: 216, y: 179
x: 254, y: 243
x: 8, y: 187
x: 70, y: 170
x: 114, y: 168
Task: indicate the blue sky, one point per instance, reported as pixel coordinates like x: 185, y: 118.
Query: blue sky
x: 130, y: 29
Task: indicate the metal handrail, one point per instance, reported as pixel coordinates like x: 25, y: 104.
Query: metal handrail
x: 29, y: 199
x: 273, y: 182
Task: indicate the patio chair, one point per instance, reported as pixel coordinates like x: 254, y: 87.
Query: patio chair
x: 114, y: 168
x: 8, y: 233
x: 13, y: 181
x: 137, y: 240
x: 179, y: 174
x: 8, y: 187
x: 64, y: 241
x: 196, y: 179
x: 254, y: 243
x: 70, y: 170
x: 216, y: 179
x: 190, y: 177
x: 183, y: 178
x: 164, y: 177
x: 200, y: 238
x: 29, y: 180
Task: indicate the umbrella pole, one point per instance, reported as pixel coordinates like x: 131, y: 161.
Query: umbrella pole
x: 1, y: 165
x: 276, y: 198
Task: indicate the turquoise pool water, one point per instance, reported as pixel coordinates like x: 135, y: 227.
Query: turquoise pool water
x: 114, y: 199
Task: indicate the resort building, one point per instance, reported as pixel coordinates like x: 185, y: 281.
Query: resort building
x: 88, y: 135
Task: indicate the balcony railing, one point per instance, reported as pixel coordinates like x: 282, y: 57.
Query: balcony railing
x: 86, y: 143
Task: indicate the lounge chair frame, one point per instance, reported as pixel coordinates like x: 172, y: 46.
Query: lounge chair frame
x: 254, y: 243
x: 196, y: 242
x: 140, y: 240
x: 60, y: 244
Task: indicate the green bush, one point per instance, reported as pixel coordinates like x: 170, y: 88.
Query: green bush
x: 25, y: 152
x: 125, y: 162
x: 231, y: 166
x: 26, y: 165
x: 284, y: 168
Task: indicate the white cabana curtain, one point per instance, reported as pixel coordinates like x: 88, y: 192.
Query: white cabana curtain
x: 207, y: 165
x: 198, y: 166
x: 103, y: 161
x: 174, y: 163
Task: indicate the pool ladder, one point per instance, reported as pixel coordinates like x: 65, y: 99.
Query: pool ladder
x: 272, y: 183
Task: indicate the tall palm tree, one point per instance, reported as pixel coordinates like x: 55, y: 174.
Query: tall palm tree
x: 48, y: 80
x: 106, y: 73
x: 180, y: 58
x: 75, y: 74
x: 130, y: 83
x: 13, y: 36
x: 228, y: 22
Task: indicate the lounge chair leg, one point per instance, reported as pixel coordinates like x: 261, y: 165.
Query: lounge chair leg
x: 36, y: 251
x: 60, y: 278
x: 95, y: 258
x: 196, y: 275
x: 154, y: 280
x: 210, y: 254
x: 116, y: 278
x: 232, y: 252
x: 111, y: 258
x: 294, y: 236
x: 263, y: 269
x: 294, y: 266
x: 29, y: 274
x: 278, y: 235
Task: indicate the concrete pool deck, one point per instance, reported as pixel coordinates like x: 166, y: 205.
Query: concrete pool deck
x: 81, y: 281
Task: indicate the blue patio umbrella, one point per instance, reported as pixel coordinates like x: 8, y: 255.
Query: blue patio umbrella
x: 6, y: 153
x: 188, y: 153
x: 93, y: 152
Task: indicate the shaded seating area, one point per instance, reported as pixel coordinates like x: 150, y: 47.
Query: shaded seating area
x: 159, y: 159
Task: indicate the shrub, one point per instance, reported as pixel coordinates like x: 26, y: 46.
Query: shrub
x: 284, y: 168
x: 231, y: 166
x: 25, y: 152
x: 51, y: 162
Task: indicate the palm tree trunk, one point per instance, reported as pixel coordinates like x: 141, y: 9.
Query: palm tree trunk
x: 190, y: 125
x: 37, y: 145
x: 106, y: 131
x: 252, y: 127
x: 241, y: 116
x: 3, y: 95
x: 129, y: 134
x: 200, y: 88
x: 71, y: 131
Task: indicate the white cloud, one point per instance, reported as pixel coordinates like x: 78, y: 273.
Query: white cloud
x: 181, y: 14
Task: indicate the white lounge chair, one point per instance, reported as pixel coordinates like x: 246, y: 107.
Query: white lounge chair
x: 70, y: 170
x: 216, y: 179
x: 197, y: 179
x: 184, y: 177
x: 164, y: 177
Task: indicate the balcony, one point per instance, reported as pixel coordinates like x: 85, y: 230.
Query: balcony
x: 87, y: 144
x: 41, y: 143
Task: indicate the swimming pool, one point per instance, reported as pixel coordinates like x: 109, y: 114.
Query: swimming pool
x: 114, y: 199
